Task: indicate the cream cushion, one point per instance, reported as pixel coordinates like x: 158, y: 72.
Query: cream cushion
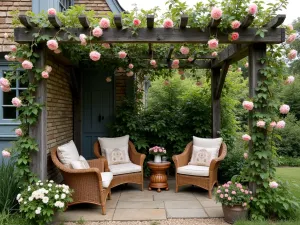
x: 115, y: 150
x: 106, y: 178
x: 192, y: 170
x: 207, y: 142
x: 203, y: 156
x: 124, y: 168
x: 67, y: 153
x: 81, y: 163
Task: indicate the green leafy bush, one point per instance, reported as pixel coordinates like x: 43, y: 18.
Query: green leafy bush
x: 288, y: 161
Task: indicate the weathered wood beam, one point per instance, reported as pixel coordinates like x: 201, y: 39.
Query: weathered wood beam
x: 232, y: 53
x: 150, y: 21
x: 221, y: 81
x: 83, y: 20
x: 150, y: 51
x: 55, y: 21
x: 247, y: 21
x: 215, y: 103
x: 25, y: 20
x: 203, y: 64
x: 155, y: 35
x: 276, y: 21
x: 214, y: 23
x: 118, y: 21
x: 183, y: 21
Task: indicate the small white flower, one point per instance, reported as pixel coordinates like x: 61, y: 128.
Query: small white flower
x: 45, y: 200
x: 49, y: 185
x: 30, y: 199
x: 20, y: 200
x: 51, y: 181
x: 29, y: 188
x: 18, y: 196
x: 59, y: 204
x: 56, y: 196
x: 25, y: 203
x: 38, y: 210
x: 63, y: 196
x: 56, y: 191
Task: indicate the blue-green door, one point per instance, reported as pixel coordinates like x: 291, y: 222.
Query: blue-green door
x: 98, y: 108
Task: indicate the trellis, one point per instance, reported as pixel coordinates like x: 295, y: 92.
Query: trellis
x: 249, y: 44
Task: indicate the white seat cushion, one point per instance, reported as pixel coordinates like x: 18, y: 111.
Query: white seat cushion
x: 106, y: 178
x: 202, y: 171
x: 67, y: 153
x: 124, y: 168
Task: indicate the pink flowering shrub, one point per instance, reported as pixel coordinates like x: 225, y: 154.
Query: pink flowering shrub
x: 16, y: 102
x: 106, y: 45
x: 136, y: 22
x: 184, y: 50
x: 27, y: 65
x: 13, y: 48
x: 233, y: 194
x: 246, y: 137
x: 213, y: 43
x: 97, y: 32
x: 52, y: 44
x: 108, y: 79
x: 292, y: 54
x: 246, y: 65
x: 290, y: 27
x: 129, y: 74
x: 284, y: 109
x: 291, y: 38
x: 235, y: 24
x: 45, y: 74
x: 261, y: 124
x: 252, y: 9
x: 214, y: 54
x: 234, y: 36
x: 104, y: 23
x: 245, y: 155
x: 18, y: 132
x: 152, y: 62
x: 82, y: 38
x: 280, y: 124
x: 51, y: 11
x: 248, y: 105
x: 168, y: 23
x: 156, y: 150
x: 216, y: 13
x: 130, y: 66
x: 175, y: 62
x: 5, y: 154
x: 94, y: 55
x: 122, y: 54
x: 289, y: 80
x: 273, y: 124
x: 190, y: 59
x: 273, y: 184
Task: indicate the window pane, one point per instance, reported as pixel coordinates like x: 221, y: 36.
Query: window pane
x: 22, y: 84
x: 5, y: 73
x: 8, y: 96
x: 20, y: 92
x: 9, y: 112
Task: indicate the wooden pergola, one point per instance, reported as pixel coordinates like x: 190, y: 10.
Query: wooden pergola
x: 249, y: 44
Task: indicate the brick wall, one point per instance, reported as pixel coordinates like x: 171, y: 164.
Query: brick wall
x: 7, y: 6
x: 59, y: 109
x: 99, y: 6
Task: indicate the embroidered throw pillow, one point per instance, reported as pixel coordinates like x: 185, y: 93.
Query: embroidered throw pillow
x: 116, y: 155
x: 112, y: 143
x: 202, y: 156
x: 81, y: 163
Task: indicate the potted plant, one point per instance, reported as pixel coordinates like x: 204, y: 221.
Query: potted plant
x: 235, y: 199
x: 157, y: 152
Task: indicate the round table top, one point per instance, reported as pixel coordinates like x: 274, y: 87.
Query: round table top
x: 158, y: 164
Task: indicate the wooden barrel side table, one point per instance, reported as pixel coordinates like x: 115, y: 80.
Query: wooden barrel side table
x: 158, y: 178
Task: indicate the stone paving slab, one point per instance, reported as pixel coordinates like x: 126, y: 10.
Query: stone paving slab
x: 214, y: 212
x: 141, y: 214
x: 209, y: 203
x: 141, y: 205
x: 186, y: 213
x: 167, y: 196
x: 183, y: 204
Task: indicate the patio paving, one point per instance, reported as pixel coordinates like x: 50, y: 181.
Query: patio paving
x: 130, y: 204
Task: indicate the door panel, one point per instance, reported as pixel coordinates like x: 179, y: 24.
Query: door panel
x: 97, y: 109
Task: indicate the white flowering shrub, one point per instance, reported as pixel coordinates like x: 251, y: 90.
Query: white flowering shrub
x: 41, y: 200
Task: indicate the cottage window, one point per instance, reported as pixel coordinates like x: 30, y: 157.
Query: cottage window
x: 8, y: 111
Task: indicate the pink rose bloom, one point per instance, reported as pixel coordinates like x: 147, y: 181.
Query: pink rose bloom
x: 252, y: 9
x: 280, y: 124
x: 246, y: 192
x: 226, y: 195
x: 246, y: 65
x: 106, y: 45
x: 175, y: 62
x: 13, y: 48
x: 16, y: 102
x: 229, y: 182
x: 244, y: 204
x: 234, y: 36
x: 5, y: 88
x: 291, y: 38
x: 184, y: 50
x: 246, y: 137
x: 82, y: 38
x: 242, y: 190
x: 5, y: 154
x: 45, y: 74
x: 233, y: 192
x: 216, y: 13
x: 160, y: 150
x: 168, y: 23
x: 7, y: 57
x: 190, y: 59
x: 199, y: 83
x: 129, y: 74
x: 226, y: 190
x: 94, y: 55
x: 261, y: 123
x: 130, y: 66
x: 27, y: 65
x: 289, y: 80
x: 221, y: 196
x: 52, y: 44
x: 290, y: 27
x: 122, y: 54
x: 284, y: 109
x: 292, y: 54
x: 229, y: 198
x: 108, y: 79
x: 213, y: 43
x: 155, y: 150
x: 97, y: 32
x: 248, y: 105
x: 18, y: 132
x: 251, y: 198
x: 152, y: 62
x: 245, y: 155
x: 219, y: 191
x: 4, y: 82
x: 273, y: 124
x: 51, y: 11
x: 48, y: 69
x: 214, y: 54
x: 235, y: 24
x: 273, y: 184
x: 136, y: 22
x: 182, y: 77
x: 104, y: 23
x: 57, y: 51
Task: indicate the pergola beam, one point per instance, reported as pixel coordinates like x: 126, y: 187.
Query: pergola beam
x: 55, y: 21
x: 247, y: 21
x: 214, y: 23
x: 83, y: 20
x: 155, y: 35
x: 221, y: 81
x: 118, y: 21
x: 276, y: 21
x: 25, y: 21
x: 150, y: 21
x: 183, y: 21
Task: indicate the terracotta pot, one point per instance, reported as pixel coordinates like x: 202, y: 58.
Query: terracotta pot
x: 234, y: 213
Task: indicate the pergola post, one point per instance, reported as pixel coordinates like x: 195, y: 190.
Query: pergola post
x: 256, y: 52
x: 215, y: 103
x: 39, y: 131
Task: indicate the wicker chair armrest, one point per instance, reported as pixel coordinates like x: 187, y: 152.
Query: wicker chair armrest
x: 214, y: 164
x: 183, y: 158
x: 100, y: 163
x: 135, y: 157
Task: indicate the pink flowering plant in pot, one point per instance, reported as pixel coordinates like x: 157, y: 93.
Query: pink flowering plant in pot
x: 157, y: 152
x: 235, y: 199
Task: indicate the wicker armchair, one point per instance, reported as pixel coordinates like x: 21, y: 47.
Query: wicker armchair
x: 135, y: 158
x: 201, y: 181
x: 86, y: 183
